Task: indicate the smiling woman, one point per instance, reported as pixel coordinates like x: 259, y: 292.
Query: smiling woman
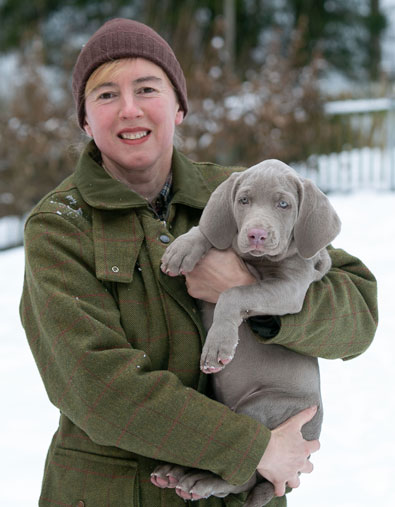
x: 117, y: 341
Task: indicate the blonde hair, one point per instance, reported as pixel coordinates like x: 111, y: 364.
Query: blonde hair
x: 103, y: 72
x: 108, y: 70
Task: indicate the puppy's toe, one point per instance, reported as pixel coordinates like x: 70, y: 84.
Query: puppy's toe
x: 211, y: 486
x: 168, y: 476
x: 214, y: 360
x: 187, y: 495
x: 158, y: 481
x: 207, y: 368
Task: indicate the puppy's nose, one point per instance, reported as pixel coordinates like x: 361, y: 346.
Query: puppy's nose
x: 256, y: 237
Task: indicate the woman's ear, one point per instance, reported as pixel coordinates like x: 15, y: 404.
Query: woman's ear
x: 87, y: 129
x: 179, y: 116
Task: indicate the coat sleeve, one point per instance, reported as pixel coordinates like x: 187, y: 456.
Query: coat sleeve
x: 339, y: 316
x: 102, y: 384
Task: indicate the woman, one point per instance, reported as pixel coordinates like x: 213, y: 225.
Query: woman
x: 116, y: 341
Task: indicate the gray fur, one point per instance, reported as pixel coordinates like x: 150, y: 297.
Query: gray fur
x: 267, y: 382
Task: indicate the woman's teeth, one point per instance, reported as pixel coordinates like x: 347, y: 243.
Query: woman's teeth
x: 134, y: 135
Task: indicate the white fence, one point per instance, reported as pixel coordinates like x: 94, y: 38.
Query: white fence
x: 365, y: 153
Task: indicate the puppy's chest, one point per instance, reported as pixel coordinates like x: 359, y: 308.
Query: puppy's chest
x: 286, y: 269
x: 265, y: 269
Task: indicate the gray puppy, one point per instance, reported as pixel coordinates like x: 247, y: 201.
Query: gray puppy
x: 280, y: 224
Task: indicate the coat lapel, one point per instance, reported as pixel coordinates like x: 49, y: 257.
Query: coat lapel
x: 117, y: 241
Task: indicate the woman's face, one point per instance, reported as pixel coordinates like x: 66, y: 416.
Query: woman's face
x: 131, y: 115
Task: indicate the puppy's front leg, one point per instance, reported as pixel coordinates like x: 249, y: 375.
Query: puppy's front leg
x: 269, y: 297
x: 223, y: 335
x: 185, y: 251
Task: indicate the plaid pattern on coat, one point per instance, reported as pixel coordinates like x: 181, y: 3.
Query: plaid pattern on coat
x: 117, y: 342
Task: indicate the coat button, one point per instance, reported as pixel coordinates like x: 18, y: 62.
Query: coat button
x: 80, y: 504
x: 164, y: 238
x: 115, y: 269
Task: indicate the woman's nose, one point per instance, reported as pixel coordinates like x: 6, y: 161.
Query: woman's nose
x: 130, y: 107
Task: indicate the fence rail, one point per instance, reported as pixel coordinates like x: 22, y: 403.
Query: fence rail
x: 360, y: 154
x: 361, y: 149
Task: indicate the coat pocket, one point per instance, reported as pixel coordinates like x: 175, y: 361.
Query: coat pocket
x: 75, y: 478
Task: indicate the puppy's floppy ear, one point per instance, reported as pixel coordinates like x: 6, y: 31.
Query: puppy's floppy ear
x: 217, y: 222
x: 318, y: 223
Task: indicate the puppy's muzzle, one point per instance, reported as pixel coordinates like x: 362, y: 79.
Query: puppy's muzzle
x: 257, y: 237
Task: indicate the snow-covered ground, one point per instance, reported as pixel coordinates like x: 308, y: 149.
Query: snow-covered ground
x: 355, y: 466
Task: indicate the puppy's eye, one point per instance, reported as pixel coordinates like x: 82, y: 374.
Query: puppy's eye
x: 282, y: 204
x: 244, y: 200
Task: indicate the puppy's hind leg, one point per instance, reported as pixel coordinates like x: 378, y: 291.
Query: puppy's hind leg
x: 260, y: 495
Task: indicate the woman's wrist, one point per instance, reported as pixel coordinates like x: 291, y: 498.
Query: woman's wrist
x: 245, y: 278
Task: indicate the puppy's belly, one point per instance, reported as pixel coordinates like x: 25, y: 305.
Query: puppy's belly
x: 269, y: 383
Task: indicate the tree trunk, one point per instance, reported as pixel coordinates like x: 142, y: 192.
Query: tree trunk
x: 230, y: 31
x: 375, y: 43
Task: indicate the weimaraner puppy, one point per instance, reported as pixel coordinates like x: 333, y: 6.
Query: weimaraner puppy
x: 280, y: 224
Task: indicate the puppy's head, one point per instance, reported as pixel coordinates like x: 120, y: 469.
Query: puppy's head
x: 265, y: 210
x: 260, y: 212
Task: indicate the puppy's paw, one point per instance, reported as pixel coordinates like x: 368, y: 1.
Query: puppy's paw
x: 168, y: 476
x: 219, y: 349
x: 199, y: 484
x: 180, y: 258
x: 185, y: 252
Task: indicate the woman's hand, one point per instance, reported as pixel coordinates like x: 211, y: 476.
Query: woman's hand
x: 216, y: 272
x: 287, y: 454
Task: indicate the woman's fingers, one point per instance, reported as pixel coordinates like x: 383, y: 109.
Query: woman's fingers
x: 279, y: 488
x: 314, y: 446
x: 287, y: 454
x: 307, y: 468
x: 293, y: 483
x: 301, y: 418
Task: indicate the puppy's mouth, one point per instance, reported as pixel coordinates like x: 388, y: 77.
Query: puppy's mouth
x: 270, y: 249
x: 267, y: 245
x: 257, y: 252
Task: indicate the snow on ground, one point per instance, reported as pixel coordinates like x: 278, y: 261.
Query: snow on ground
x: 355, y: 465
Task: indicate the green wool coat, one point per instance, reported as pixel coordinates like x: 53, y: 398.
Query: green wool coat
x: 117, y: 342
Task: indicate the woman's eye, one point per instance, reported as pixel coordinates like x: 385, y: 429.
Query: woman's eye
x: 244, y: 200
x: 147, y: 90
x: 106, y: 95
x: 283, y: 204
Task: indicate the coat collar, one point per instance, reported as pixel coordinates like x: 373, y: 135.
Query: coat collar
x: 117, y: 231
x: 101, y: 191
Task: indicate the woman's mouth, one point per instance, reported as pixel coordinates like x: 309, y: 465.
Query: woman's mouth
x: 133, y: 136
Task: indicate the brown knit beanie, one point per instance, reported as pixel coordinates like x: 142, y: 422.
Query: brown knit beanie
x: 125, y: 38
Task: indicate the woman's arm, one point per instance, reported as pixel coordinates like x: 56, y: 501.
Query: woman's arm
x: 339, y: 316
